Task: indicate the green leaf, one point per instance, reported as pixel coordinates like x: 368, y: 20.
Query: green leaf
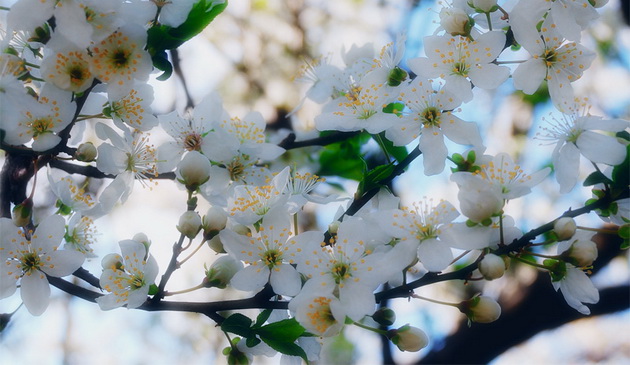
x: 287, y: 330
x: 344, y: 159
x: 596, y: 178
x: 262, y: 318
x: 238, y: 324
x: 621, y: 173
x: 394, y: 108
x: 163, y: 37
x: 161, y: 62
x: 398, y: 152
x: 153, y: 289
x: 287, y: 348
x: 252, y: 341
x: 375, y: 177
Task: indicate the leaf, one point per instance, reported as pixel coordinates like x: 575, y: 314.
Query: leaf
x: 624, y: 233
x: 394, y: 108
x: 596, y: 178
x: 621, y: 173
x: 252, y: 341
x: 375, y: 177
x: 238, y: 324
x: 285, y: 330
x: 344, y: 159
x: 162, y: 37
x: 287, y: 348
x: 262, y: 318
x: 398, y: 152
x: 161, y: 62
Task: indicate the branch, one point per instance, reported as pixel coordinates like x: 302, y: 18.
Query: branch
x: 290, y: 143
x: 405, y: 290
x: 91, y: 171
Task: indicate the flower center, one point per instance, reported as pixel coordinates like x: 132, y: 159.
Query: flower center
x: 192, y: 142
x: 431, y: 117
x: 120, y: 58
x: 340, y: 272
x: 461, y: 68
x: 272, y: 258
x: 30, y: 263
x: 41, y: 126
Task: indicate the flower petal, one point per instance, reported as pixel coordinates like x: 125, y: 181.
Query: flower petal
x: 35, y: 292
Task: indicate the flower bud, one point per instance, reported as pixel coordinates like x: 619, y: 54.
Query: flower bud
x: 564, y: 228
x: 86, y: 152
x: 22, y: 213
x: 480, y: 309
x: 484, y: 6
x: 221, y: 272
x: 216, y: 244
x: 582, y: 253
x: 213, y: 222
x: 384, y: 316
x: 480, y: 205
x: 142, y: 238
x: 189, y: 224
x: 112, y: 261
x: 193, y: 170
x: 455, y: 21
x: 408, y: 338
x: 492, y: 266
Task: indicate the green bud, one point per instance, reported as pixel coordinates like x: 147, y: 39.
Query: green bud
x: 384, y: 316
x: 86, y: 152
x: 396, y: 76
x: 22, y: 213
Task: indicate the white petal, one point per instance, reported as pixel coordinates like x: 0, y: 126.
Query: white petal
x: 35, y: 292
x: 600, y: 148
x: 285, y: 280
x: 63, y: 262
x: 435, y: 255
x: 433, y: 149
x: 528, y: 75
x: 488, y: 76
x: 358, y: 300
x: 567, y: 167
x: 251, y: 278
x: 461, y: 132
x: 49, y: 233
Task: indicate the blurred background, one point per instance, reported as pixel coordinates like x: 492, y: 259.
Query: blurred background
x: 251, y: 55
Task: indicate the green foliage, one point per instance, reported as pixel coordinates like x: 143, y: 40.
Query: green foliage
x: 375, y: 177
x: 280, y: 336
x: 397, y: 152
x: 162, y: 37
x: 596, y: 178
x: 624, y: 233
x: 344, y: 159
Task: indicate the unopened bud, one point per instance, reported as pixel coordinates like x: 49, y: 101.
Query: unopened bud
x: 408, y: 338
x: 112, y: 261
x: 582, y: 253
x: 213, y: 222
x: 480, y: 309
x: 492, y: 266
x: 221, y: 272
x: 455, y: 21
x: 86, y: 152
x: 384, y: 316
x: 564, y: 228
x: 189, y: 224
x: 193, y: 170
x: 484, y: 6
x: 144, y: 239
x: 22, y: 213
x: 216, y: 244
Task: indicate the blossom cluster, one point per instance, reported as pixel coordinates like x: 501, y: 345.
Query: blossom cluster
x: 93, y: 62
